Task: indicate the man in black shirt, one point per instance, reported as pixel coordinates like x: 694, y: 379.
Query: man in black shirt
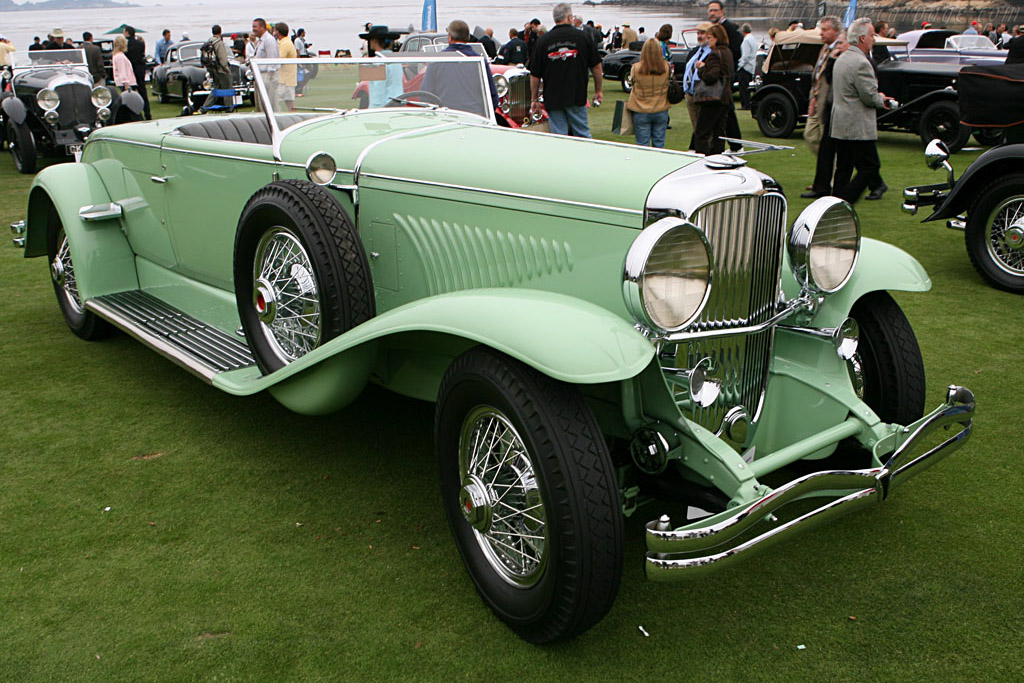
x: 514, y: 51
x: 561, y: 59
x: 716, y: 15
x: 136, y: 54
x: 36, y: 45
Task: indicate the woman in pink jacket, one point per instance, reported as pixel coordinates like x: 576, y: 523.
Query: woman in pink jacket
x: 124, y: 77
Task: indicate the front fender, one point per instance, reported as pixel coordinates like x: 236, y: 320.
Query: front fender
x: 563, y: 337
x: 15, y: 109
x: 104, y: 262
x: 881, y: 266
x: 994, y: 163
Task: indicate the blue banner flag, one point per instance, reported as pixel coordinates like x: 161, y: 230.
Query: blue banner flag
x: 429, y: 22
x: 851, y: 14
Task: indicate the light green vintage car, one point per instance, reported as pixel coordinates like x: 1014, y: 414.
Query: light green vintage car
x: 615, y: 327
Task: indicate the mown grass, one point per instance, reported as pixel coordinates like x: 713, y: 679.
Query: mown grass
x: 246, y: 542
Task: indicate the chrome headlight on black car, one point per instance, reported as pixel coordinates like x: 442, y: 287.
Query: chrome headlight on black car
x: 100, y: 97
x: 667, y: 279
x: 47, y: 99
x: 823, y: 245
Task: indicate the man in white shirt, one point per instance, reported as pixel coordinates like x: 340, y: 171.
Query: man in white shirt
x: 266, y: 48
x: 747, y: 64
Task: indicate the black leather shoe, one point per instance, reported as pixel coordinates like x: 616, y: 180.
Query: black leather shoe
x: 877, y: 194
x: 811, y: 195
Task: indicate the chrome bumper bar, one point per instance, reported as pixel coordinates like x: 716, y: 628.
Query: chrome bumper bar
x: 686, y: 552
x: 924, y: 195
x: 18, y: 234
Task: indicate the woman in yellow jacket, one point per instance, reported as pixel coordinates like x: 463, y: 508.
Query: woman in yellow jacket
x: 649, y: 99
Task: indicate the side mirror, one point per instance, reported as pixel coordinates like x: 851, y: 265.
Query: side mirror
x: 936, y: 153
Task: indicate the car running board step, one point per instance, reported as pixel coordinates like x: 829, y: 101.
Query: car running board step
x: 202, y: 350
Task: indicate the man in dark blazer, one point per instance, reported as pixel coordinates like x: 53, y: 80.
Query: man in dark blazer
x: 716, y: 15
x: 136, y: 54
x: 94, y: 60
x: 855, y: 98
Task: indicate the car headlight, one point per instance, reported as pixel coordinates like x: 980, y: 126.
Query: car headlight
x: 667, y: 279
x: 47, y: 99
x: 505, y: 108
x: 208, y: 84
x: 823, y: 245
x: 100, y: 97
x: 51, y: 117
x: 501, y: 83
x: 103, y: 114
x: 320, y: 168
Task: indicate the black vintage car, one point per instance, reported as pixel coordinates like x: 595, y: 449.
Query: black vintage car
x: 616, y: 66
x: 987, y: 201
x: 51, y: 106
x: 925, y: 92
x: 182, y: 76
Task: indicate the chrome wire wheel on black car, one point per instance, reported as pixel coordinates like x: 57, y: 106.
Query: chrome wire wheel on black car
x: 995, y: 233
x: 530, y: 493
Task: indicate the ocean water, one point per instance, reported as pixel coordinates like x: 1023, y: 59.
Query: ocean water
x: 329, y: 24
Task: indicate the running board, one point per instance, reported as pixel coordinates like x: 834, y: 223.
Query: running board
x: 202, y: 350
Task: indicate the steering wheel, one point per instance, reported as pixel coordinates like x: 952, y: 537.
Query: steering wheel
x: 432, y: 100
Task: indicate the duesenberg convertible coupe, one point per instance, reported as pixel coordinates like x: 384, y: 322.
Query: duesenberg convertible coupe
x: 592, y: 344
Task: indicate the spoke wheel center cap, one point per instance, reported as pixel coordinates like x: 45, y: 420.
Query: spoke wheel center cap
x: 264, y: 300
x: 57, y: 272
x: 1014, y: 237
x: 475, y: 503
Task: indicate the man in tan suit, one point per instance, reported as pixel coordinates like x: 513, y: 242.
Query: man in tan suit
x: 629, y: 36
x: 829, y: 27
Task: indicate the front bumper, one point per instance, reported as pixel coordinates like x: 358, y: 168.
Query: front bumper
x: 698, y: 549
x: 924, y: 195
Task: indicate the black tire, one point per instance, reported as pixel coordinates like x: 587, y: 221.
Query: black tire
x: 995, y: 233
x: 23, y: 147
x: 988, y: 137
x: 776, y: 116
x: 890, y: 359
x: 941, y: 121
x: 627, y: 81
x: 340, y: 285
x: 575, y: 579
x: 82, y: 322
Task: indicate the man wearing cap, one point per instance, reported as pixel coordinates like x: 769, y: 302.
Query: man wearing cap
x: 56, y: 40
x: 379, y: 41
x: 561, y: 60
x: 629, y: 36
x: 972, y: 30
x: 266, y: 48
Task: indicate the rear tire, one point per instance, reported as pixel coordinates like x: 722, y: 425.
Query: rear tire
x: 23, y: 147
x: 776, y: 116
x: 941, y: 120
x: 995, y: 233
x: 890, y: 359
x: 530, y: 493
x: 988, y: 137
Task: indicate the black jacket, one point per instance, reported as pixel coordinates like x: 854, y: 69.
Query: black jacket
x: 136, y: 54
x: 735, y: 40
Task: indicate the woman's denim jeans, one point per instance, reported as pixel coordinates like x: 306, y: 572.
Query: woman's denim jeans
x: 650, y: 128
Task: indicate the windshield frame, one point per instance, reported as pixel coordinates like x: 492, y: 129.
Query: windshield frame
x: 278, y: 135
x: 33, y: 55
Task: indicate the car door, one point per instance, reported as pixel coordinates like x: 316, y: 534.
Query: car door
x: 142, y: 199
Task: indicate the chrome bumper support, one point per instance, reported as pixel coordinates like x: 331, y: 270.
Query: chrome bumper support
x: 684, y: 553
x: 18, y: 233
x: 924, y: 195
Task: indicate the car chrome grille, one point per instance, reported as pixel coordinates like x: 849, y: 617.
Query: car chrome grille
x: 75, y: 105
x: 519, y: 97
x: 746, y: 237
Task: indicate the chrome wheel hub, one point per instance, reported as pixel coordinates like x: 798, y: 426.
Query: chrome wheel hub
x: 285, y: 295
x: 500, y: 497
x: 62, y: 270
x: 1005, y: 238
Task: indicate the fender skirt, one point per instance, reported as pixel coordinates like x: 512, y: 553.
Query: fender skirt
x: 133, y: 101
x: 561, y: 336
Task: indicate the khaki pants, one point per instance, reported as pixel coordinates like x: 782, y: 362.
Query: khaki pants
x: 814, y: 131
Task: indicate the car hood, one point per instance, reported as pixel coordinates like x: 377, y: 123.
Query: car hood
x: 443, y: 148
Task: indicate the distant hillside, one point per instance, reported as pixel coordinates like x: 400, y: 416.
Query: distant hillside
x: 11, y: 6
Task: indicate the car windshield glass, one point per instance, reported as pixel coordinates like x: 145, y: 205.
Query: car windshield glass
x: 446, y: 80
x: 187, y: 52
x: 75, y: 57
x: 969, y: 43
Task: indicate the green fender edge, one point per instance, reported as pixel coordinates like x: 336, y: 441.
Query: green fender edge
x: 565, y: 338
x: 104, y: 262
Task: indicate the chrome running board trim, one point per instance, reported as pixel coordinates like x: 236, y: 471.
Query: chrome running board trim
x: 195, y: 346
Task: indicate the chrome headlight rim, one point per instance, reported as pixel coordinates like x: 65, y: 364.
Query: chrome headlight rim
x: 103, y: 114
x: 321, y: 168
x: 101, y: 97
x: 501, y: 84
x: 635, y: 270
x: 47, y: 99
x: 801, y: 240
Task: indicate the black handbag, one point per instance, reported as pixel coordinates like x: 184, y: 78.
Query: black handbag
x: 675, y: 90
x: 709, y: 92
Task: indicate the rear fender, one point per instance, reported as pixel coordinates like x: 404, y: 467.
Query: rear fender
x: 565, y: 338
x: 881, y: 266
x: 104, y: 263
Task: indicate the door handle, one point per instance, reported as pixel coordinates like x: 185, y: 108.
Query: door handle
x: 158, y: 179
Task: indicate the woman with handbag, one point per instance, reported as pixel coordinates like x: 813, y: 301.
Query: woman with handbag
x: 713, y: 92
x: 649, y: 99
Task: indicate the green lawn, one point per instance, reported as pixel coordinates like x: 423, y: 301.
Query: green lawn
x: 153, y: 528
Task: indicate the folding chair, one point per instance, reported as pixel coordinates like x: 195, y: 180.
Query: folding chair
x: 225, y: 95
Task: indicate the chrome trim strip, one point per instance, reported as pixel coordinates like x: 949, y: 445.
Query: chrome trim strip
x: 501, y: 193
x: 106, y: 138
x: 373, y: 145
x: 100, y: 212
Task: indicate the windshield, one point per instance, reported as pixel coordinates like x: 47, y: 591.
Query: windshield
x: 969, y: 43
x: 74, y: 57
x: 446, y: 80
x: 186, y: 52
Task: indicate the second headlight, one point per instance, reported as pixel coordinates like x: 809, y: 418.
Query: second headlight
x: 824, y: 244
x: 667, y: 278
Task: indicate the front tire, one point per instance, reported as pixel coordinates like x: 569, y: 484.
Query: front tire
x: 941, y: 120
x: 776, y: 116
x: 301, y: 274
x: 23, y: 147
x: 889, y: 360
x: 82, y: 322
x: 995, y: 233
x: 627, y: 81
x: 530, y: 493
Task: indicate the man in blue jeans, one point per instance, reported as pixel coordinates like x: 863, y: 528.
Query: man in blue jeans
x: 561, y: 59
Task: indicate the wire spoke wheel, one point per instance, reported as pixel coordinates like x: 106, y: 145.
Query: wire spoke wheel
x: 1004, y: 235
x: 285, y: 295
x: 500, y: 497
x: 63, y: 272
